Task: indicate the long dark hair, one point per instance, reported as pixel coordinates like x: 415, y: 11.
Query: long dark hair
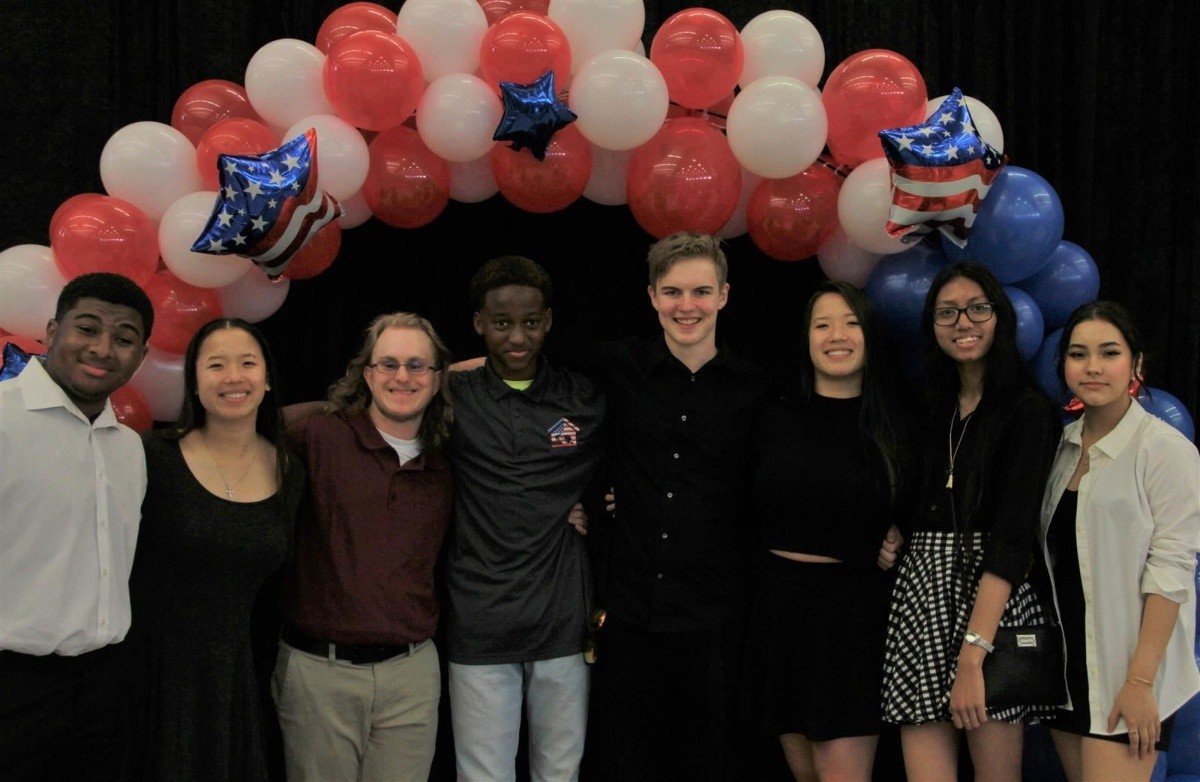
x: 269, y: 420
x: 881, y: 418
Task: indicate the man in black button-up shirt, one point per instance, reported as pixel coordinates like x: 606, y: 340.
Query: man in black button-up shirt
x: 676, y: 572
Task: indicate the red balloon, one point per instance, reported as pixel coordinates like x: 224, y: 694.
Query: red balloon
x: 869, y: 92
x: 700, y: 55
x: 352, y: 18
x: 407, y: 185
x: 93, y: 233
x: 544, y: 185
x: 373, y: 80
x: 684, y: 179
x: 31, y: 346
x: 317, y: 254
x: 179, y: 311
x: 231, y: 137
x: 205, y: 104
x: 521, y: 47
x: 495, y: 10
x: 132, y: 409
x: 789, y: 219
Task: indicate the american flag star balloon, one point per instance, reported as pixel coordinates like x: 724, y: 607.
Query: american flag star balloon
x: 941, y: 172
x: 15, y: 361
x: 532, y: 115
x: 269, y: 205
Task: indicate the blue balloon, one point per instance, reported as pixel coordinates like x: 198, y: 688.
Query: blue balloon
x: 1184, y: 756
x: 1045, y: 369
x: 1160, y: 768
x: 1029, y: 322
x: 1068, y: 279
x: 898, y: 285
x: 1017, y: 227
x: 1167, y: 407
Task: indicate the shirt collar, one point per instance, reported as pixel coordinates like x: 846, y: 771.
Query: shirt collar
x: 1115, y: 441
x: 41, y: 392
x: 497, y: 387
x: 659, y: 355
x: 370, y: 439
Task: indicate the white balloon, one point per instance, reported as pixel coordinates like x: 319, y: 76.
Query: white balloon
x: 777, y: 127
x: 180, y: 226
x: 736, y: 226
x: 987, y: 124
x: 284, y: 82
x: 864, y: 203
x: 342, y: 156
x: 620, y: 99
x: 150, y: 165
x: 457, y: 116
x: 594, y: 26
x: 355, y: 211
x: 782, y: 43
x: 640, y: 49
x: 29, y: 286
x: 473, y: 181
x: 606, y: 184
x: 254, y: 297
x: 842, y: 259
x: 160, y: 379
x: 446, y: 34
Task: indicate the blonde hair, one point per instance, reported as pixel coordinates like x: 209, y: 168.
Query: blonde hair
x: 681, y: 246
x: 351, y: 394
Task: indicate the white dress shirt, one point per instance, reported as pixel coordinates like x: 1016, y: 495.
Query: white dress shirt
x: 1137, y: 527
x: 70, y: 503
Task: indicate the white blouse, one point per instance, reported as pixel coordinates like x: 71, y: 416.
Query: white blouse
x: 1138, y: 531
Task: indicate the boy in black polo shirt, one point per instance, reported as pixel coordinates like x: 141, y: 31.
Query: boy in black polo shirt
x: 526, y: 443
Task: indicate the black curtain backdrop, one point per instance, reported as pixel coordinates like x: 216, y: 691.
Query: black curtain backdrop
x: 1099, y: 98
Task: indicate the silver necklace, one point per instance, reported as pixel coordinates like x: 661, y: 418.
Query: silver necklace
x: 229, y: 489
x: 952, y: 446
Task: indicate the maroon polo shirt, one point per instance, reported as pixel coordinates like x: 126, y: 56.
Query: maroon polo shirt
x: 369, y: 536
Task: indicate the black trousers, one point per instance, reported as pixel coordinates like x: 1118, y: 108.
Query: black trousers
x: 663, y: 705
x: 62, y: 717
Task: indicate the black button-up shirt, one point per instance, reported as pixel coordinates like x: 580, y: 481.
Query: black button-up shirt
x: 681, y: 460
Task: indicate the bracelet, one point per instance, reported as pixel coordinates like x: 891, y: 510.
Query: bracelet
x: 1140, y: 680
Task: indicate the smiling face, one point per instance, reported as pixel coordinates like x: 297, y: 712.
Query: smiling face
x: 399, y: 399
x: 231, y: 375
x: 93, y: 350
x: 835, y: 342
x: 687, y: 299
x: 1098, y: 364
x: 964, y: 340
x: 513, y: 322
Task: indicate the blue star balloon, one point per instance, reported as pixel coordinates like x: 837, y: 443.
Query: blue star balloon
x: 941, y: 171
x: 15, y: 361
x: 269, y: 205
x: 532, y: 115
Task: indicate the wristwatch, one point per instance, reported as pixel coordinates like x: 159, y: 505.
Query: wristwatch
x: 973, y: 637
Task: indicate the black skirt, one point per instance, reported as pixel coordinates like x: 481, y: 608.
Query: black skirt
x: 819, y: 656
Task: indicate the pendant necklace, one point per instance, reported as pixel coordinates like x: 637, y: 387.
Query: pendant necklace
x: 229, y: 490
x: 952, y: 446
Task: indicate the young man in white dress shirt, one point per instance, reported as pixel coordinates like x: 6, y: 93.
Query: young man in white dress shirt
x: 72, y: 480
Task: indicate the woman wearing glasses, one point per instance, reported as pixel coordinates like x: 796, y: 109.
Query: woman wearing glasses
x: 217, y: 521
x: 829, y: 465
x: 988, y: 440
x: 1121, y: 526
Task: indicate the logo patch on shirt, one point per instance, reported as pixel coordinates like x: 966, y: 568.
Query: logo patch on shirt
x: 563, y: 434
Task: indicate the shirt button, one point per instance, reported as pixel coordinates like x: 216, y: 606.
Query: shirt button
x: 104, y: 572
x: 933, y: 507
x: 392, y: 495
x: 103, y: 622
x: 670, y: 495
x: 693, y: 378
x: 676, y: 455
x: 683, y: 418
x: 664, y: 536
x: 659, y: 576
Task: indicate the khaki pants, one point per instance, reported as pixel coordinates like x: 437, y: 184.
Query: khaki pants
x: 357, y: 722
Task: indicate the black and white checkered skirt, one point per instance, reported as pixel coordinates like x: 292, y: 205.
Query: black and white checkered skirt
x: 926, y: 625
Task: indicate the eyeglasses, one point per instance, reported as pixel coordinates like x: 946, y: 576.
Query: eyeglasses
x: 415, y: 366
x: 595, y: 622
x: 976, y: 313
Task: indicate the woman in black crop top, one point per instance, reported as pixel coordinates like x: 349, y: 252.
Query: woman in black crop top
x: 988, y: 440
x: 829, y: 458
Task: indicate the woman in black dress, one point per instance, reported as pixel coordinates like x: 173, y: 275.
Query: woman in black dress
x: 830, y: 458
x: 216, y: 522
x: 987, y: 444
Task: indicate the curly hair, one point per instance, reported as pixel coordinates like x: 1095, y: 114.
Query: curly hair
x: 351, y: 394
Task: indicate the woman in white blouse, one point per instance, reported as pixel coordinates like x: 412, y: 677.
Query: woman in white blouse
x: 1120, y: 530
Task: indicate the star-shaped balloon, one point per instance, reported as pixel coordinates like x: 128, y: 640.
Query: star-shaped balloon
x: 15, y: 361
x: 941, y: 171
x: 269, y: 205
x: 532, y: 115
